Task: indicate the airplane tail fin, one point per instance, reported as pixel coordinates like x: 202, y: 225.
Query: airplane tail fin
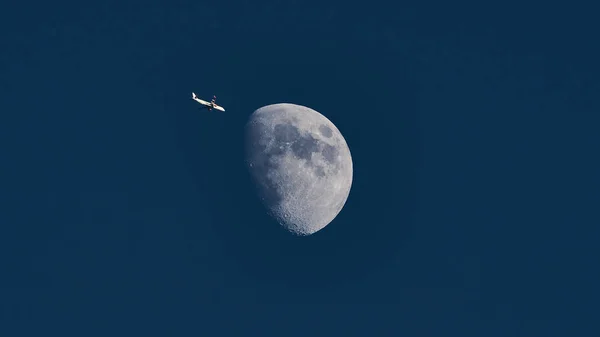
x: 193, y: 95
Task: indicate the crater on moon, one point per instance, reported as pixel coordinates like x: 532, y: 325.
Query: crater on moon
x: 301, y: 165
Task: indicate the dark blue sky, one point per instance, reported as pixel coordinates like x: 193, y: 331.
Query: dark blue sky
x: 125, y: 211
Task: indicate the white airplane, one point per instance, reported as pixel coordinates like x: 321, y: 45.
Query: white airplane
x: 209, y: 105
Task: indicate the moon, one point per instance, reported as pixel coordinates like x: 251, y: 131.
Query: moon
x: 300, y: 164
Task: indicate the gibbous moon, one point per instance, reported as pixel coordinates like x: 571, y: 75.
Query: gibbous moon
x: 300, y: 164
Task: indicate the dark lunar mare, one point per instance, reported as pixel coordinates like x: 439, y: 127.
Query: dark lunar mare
x: 303, y: 145
x: 368, y: 234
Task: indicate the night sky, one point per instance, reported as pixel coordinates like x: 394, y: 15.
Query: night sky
x: 125, y: 210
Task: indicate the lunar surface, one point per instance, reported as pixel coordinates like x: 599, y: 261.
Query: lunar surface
x: 300, y: 164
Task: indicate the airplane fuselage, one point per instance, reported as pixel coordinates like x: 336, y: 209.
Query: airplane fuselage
x: 210, y: 105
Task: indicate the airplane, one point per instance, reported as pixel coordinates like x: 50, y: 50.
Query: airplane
x: 209, y: 105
